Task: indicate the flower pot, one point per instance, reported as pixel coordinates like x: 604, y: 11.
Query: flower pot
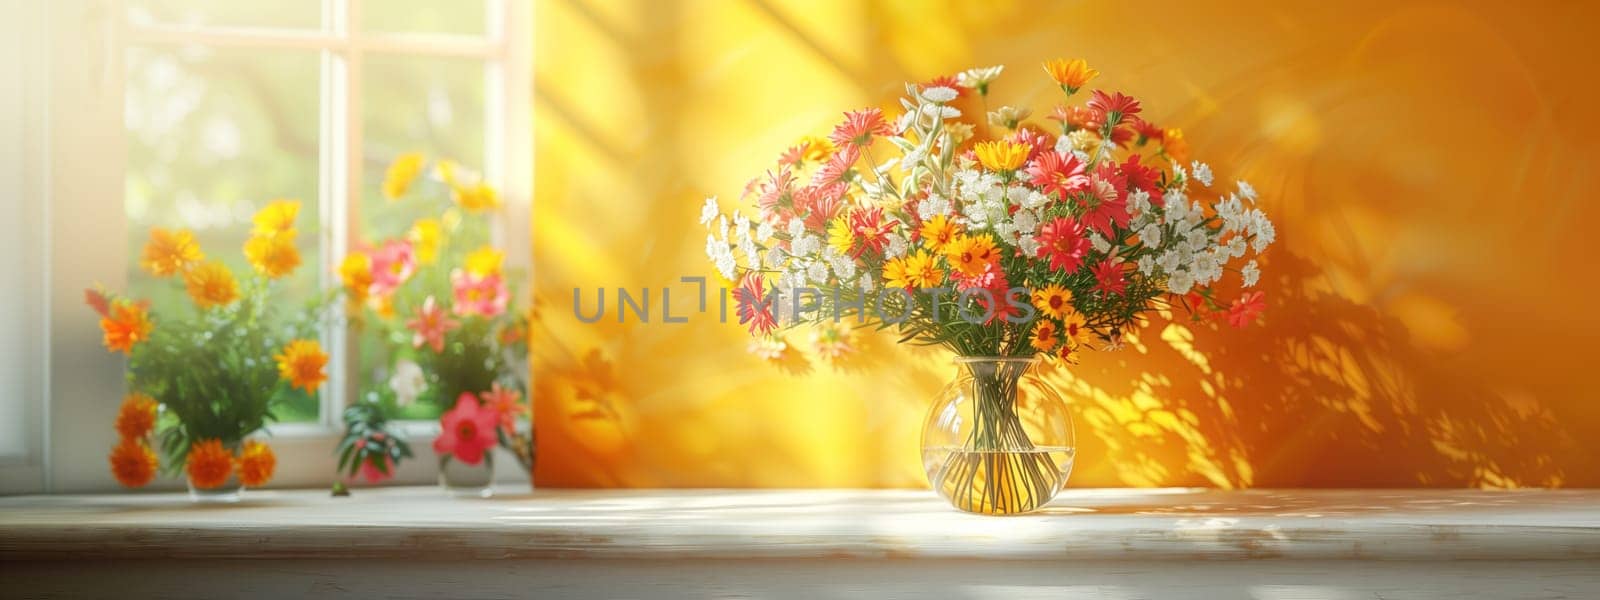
x: 465, y: 480
x: 998, y: 439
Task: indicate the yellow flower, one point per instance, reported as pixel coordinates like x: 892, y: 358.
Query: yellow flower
x: 818, y: 149
x: 401, y: 174
x: 208, y: 464
x: 840, y: 237
x: 356, y: 273
x: 132, y: 462
x: 476, y: 197
x: 301, y: 364
x: 922, y: 270
x: 1070, y: 74
x: 170, y: 252
x: 256, y: 463
x: 485, y: 261
x: 938, y: 232
x: 971, y: 255
x: 1053, y: 300
x: 447, y: 171
x: 137, y: 417
x: 1074, y: 330
x: 272, y: 255
x: 276, y: 218
x: 1001, y: 155
x: 896, y: 274
x: 1044, y: 335
x: 211, y: 284
x: 426, y: 236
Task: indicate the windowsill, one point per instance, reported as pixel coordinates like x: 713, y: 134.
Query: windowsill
x: 1081, y: 525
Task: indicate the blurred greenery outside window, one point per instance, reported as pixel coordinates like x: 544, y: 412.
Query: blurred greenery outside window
x: 230, y: 105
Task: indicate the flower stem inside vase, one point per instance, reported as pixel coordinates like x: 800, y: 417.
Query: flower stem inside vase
x: 998, y: 470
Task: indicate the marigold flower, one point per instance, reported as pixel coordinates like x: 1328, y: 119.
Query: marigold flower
x: 972, y: 255
x: 356, y: 273
x: 1070, y: 74
x: 276, y: 218
x: 256, y: 463
x: 301, y: 363
x: 137, y: 417
x: 133, y: 463
x: 426, y: 235
x: 128, y: 324
x: 475, y: 197
x: 209, y: 464
x: 170, y: 252
x: 1001, y: 155
x: 859, y: 126
x: 485, y: 261
x: 923, y: 270
x: 211, y: 284
x: 397, y: 179
x: 272, y: 255
x: 938, y: 232
x: 1053, y: 300
x: 1044, y: 336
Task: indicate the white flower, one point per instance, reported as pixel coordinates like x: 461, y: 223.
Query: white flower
x: 1174, y: 205
x: 764, y: 231
x: 807, y: 245
x: 1179, y: 282
x: 1138, y: 203
x: 866, y: 283
x: 797, y: 228
x: 1150, y: 236
x: 979, y: 78
x: 709, y: 211
x: 1169, y: 260
x: 1265, y: 232
x: 1063, y: 144
x: 1017, y: 195
x: 933, y: 206
x: 722, y: 226
x: 1028, y: 245
x: 1251, y: 273
x: 1083, y: 140
x: 1196, y: 239
x: 1099, y: 243
x: 1008, y: 116
x: 407, y: 382
x: 1035, y: 200
x: 1236, y: 247
x: 1246, y: 191
x: 1202, y: 173
x: 1147, y: 265
x: 721, y: 255
x: 1206, y: 268
x: 1025, y: 222
x: 776, y: 259
x: 939, y: 94
x: 897, y: 246
x: 817, y: 273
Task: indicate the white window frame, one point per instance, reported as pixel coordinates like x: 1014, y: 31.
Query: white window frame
x: 86, y: 174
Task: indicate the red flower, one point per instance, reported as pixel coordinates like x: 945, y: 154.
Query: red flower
x: 819, y: 204
x: 1141, y: 177
x: 1063, y: 241
x: 837, y: 167
x: 755, y: 306
x: 859, y: 126
x: 870, y: 229
x: 1147, y: 131
x: 993, y: 279
x: 467, y: 430
x: 1076, y: 116
x: 1111, y: 108
x: 1105, y: 204
x: 1245, y: 310
x: 506, y: 404
x: 1061, y: 174
x: 1109, y: 275
x: 948, y: 81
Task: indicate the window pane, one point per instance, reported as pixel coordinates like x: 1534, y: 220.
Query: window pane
x: 214, y: 135
x: 293, y: 14
x: 434, y: 106
x: 462, y: 17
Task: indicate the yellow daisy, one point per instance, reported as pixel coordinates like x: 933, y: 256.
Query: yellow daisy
x: 1070, y: 74
x: 938, y: 232
x: 426, y: 236
x: 485, y: 261
x: 211, y: 284
x: 272, y: 255
x: 840, y: 237
x: 476, y: 197
x: 1001, y: 155
x: 276, y: 218
x: 1053, y: 300
x: 170, y: 252
x: 971, y: 254
x: 301, y: 363
x: 401, y: 174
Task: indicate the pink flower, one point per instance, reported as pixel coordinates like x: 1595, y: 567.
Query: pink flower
x: 373, y: 474
x: 1109, y: 277
x: 506, y: 404
x: 1058, y: 174
x: 1245, y: 310
x: 1063, y: 241
x: 479, y: 294
x: 870, y: 229
x: 1106, y: 204
x: 859, y: 126
x: 392, y: 265
x: 467, y: 431
x: 755, y: 305
x: 1112, y: 107
x: 430, y: 326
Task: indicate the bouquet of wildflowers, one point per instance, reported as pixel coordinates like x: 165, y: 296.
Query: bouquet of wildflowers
x: 203, y: 380
x: 992, y: 237
x: 438, y: 293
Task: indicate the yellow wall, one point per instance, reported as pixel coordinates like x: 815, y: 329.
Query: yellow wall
x: 1429, y: 166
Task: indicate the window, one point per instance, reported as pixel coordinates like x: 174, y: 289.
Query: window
x: 226, y: 106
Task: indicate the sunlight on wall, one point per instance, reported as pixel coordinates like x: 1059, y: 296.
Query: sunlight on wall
x: 1429, y: 167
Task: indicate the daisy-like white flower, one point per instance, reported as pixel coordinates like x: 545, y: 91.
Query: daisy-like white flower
x: 939, y: 94
x: 1008, y: 117
x: 1179, y: 282
x: 1150, y: 236
x: 1202, y: 173
x: 709, y: 211
x: 979, y: 78
x: 1246, y: 191
x: 1251, y: 274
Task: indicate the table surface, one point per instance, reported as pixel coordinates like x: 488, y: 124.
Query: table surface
x: 1109, y: 524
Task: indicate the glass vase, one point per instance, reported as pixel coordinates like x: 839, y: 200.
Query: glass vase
x: 998, y: 439
x: 465, y: 480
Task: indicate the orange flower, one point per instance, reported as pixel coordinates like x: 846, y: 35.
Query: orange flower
x: 170, y: 252
x: 209, y: 464
x: 1044, y: 336
x: 1070, y: 74
x: 256, y: 463
x: 132, y: 462
x: 971, y: 254
x: 938, y: 232
x: 211, y: 284
x: 137, y: 417
x: 1053, y: 300
x: 1174, y: 146
x: 272, y: 255
x: 301, y: 364
x: 1001, y: 155
x: 127, y: 325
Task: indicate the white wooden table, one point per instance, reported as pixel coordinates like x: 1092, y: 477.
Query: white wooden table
x: 415, y: 542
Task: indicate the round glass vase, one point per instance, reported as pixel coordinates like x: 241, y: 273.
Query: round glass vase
x: 229, y: 492
x: 464, y: 480
x: 998, y: 439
